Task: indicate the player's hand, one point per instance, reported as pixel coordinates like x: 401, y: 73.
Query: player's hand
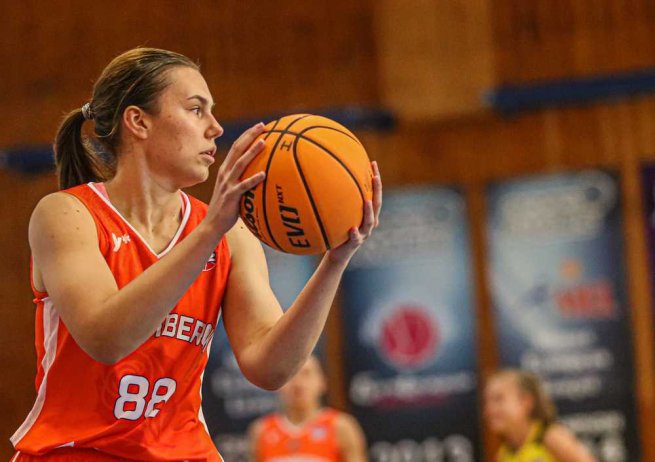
x: 223, y: 210
x: 371, y: 220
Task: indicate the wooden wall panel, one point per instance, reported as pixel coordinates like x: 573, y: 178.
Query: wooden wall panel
x: 545, y: 39
x: 435, y: 57
x: 257, y: 57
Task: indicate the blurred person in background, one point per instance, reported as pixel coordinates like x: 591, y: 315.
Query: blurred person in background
x: 520, y: 412
x: 304, y: 429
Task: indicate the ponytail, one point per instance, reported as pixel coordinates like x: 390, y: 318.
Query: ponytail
x: 135, y: 78
x: 76, y: 160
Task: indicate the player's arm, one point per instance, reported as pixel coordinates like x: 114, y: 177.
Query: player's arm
x: 106, y: 322
x: 254, y: 434
x: 271, y: 346
x: 350, y: 436
x: 564, y: 446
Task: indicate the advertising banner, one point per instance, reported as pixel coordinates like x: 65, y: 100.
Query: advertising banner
x: 409, y: 331
x: 557, y: 276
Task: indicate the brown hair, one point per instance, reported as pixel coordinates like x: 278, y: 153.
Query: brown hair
x: 135, y: 78
x: 543, y: 408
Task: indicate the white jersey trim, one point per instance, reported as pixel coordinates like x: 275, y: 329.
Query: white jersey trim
x: 186, y: 210
x: 201, y: 416
x: 50, y: 331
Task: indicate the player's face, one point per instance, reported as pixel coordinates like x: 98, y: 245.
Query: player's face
x: 505, y: 405
x: 306, y: 388
x: 181, y: 136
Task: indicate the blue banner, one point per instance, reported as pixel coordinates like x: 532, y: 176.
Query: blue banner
x: 410, y: 353
x: 558, y: 288
x: 230, y: 402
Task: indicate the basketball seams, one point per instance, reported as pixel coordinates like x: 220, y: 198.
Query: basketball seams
x: 268, y: 166
x: 302, y: 132
x: 345, y: 167
x: 309, y: 193
x: 348, y: 134
x: 272, y: 130
x: 305, y: 137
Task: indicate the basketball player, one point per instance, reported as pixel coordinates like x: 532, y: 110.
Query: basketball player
x: 304, y: 430
x: 517, y: 409
x: 129, y: 273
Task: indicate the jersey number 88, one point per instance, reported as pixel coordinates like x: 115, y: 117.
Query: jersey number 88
x: 132, y: 392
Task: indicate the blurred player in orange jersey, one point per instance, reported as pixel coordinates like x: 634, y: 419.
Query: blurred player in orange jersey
x: 305, y: 430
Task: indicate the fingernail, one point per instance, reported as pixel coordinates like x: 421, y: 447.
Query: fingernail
x: 260, y: 125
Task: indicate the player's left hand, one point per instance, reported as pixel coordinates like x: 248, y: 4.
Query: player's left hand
x: 371, y: 220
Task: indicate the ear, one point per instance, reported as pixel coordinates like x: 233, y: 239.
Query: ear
x: 324, y: 384
x: 137, y: 122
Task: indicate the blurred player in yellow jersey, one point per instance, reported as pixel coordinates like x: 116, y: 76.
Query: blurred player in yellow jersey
x: 305, y: 430
x: 518, y: 410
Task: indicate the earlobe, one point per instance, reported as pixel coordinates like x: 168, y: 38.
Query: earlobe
x: 136, y: 122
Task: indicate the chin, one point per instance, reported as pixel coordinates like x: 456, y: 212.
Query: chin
x: 194, y: 178
x: 497, y: 427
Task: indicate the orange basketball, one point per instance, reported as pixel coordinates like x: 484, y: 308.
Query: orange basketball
x: 317, y: 178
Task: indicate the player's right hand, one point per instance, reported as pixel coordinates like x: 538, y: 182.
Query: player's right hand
x: 223, y: 210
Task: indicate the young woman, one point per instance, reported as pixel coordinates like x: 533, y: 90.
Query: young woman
x: 130, y: 273
x: 519, y: 411
x: 304, y: 429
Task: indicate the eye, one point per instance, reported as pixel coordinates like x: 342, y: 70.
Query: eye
x: 197, y: 110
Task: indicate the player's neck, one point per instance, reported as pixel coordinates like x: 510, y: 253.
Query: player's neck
x: 141, y: 199
x: 300, y: 416
x: 518, y: 435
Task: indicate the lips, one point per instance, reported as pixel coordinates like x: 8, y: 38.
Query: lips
x: 210, y: 152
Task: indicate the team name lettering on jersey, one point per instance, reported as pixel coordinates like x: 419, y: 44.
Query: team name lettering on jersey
x: 187, y: 329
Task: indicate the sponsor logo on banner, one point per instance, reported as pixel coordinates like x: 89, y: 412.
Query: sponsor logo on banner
x: 408, y: 337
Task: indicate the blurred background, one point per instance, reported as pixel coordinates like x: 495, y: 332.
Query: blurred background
x: 516, y: 139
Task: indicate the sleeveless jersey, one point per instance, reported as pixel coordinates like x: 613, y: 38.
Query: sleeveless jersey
x: 533, y: 450
x: 315, y: 441
x: 147, y: 406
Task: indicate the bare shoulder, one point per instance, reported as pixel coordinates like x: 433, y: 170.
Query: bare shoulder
x: 350, y: 437
x: 564, y: 445
x: 345, y: 422
x: 256, y: 429
x: 243, y: 244
x: 60, y: 215
x: 557, y: 433
x: 239, y: 234
x: 347, y: 427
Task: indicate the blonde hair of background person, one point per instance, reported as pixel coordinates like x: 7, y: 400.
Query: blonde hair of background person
x: 304, y: 428
x: 520, y: 412
x: 127, y: 270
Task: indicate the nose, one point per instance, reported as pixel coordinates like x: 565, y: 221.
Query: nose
x: 215, y: 129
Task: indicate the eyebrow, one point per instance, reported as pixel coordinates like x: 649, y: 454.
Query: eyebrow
x: 202, y: 100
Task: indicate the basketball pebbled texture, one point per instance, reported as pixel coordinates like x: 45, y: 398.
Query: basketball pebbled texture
x: 317, y: 178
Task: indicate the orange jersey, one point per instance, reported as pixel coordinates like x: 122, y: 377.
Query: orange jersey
x: 147, y: 406
x: 315, y: 441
